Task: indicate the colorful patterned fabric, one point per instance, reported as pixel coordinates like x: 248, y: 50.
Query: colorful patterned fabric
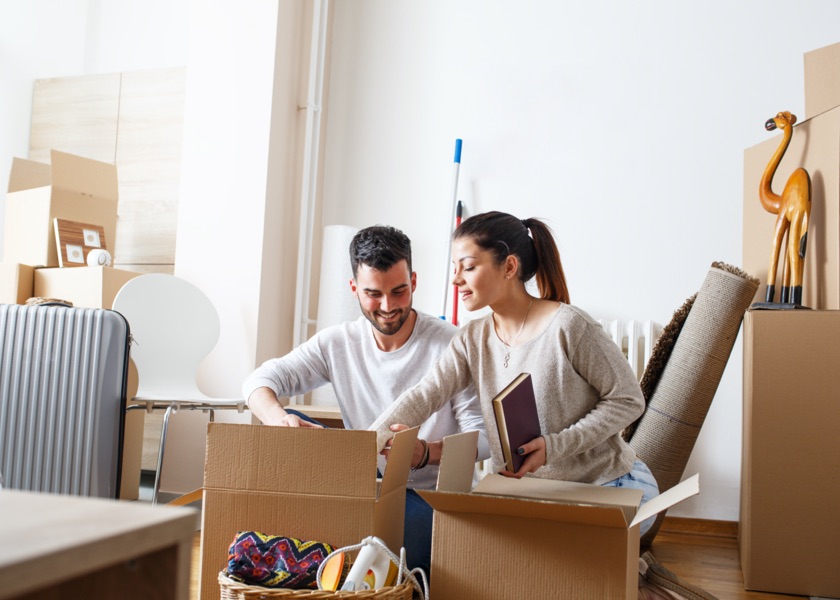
x: 275, y: 561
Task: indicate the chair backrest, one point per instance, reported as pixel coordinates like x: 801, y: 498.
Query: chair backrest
x: 174, y: 326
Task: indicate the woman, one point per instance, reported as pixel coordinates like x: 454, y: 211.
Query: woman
x: 586, y: 392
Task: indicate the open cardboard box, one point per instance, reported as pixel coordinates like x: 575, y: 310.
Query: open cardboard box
x: 534, y: 538
x: 310, y: 484
x: 71, y: 187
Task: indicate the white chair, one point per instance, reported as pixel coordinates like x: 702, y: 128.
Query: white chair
x: 173, y: 327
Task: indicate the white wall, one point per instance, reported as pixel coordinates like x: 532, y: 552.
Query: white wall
x: 24, y: 35
x: 64, y: 38
x: 609, y: 119
x: 623, y: 124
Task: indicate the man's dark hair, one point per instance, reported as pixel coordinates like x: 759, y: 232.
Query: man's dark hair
x: 379, y: 247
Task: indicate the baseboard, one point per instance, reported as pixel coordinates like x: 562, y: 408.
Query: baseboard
x: 708, y: 527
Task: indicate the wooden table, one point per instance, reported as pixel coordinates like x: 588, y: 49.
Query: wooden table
x: 61, y: 547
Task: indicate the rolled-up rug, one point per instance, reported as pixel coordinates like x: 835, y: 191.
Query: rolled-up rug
x: 687, y: 380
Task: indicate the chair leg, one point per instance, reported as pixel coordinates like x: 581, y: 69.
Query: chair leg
x: 156, y: 491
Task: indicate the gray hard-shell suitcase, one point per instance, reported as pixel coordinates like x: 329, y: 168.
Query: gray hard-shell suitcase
x: 63, y: 375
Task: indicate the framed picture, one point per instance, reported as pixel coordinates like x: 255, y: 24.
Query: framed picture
x: 75, y: 240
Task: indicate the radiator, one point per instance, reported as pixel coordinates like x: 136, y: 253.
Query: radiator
x: 636, y: 340
x: 62, y: 399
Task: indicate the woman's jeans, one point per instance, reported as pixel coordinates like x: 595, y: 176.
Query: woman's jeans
x: 639, y: 478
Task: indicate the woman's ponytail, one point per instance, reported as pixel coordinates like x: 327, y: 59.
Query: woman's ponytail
x: 530, y: 240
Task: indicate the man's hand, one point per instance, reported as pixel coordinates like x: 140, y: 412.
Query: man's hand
x: 295, y: 421
x: 535, y: 458
x: 266, y: 406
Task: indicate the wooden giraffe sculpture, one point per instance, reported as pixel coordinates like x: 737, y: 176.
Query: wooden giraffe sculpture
x: 793, y: 208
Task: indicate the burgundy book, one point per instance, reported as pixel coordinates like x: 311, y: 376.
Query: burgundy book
x: 517, y: 419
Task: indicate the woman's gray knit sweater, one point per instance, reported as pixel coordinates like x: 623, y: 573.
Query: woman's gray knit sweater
x: 586, y: 393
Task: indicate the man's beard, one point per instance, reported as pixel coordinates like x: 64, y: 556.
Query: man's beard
x: 387, y: 328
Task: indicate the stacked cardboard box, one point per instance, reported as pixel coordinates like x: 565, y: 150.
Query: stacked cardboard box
x: 73, y: 188
x: 16, y: 282
x: 789, y: 532
x: 788, y: 535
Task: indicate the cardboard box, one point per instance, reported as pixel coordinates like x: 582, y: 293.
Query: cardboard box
x: 73, y: 188
x: 16, y: 283
x: 535, y: 538
x: 132, y: 441
x: 789, y: 532
x: 815, y: 146
x: 311, y: 484
x: 86, y: 287
x: 822, y: 80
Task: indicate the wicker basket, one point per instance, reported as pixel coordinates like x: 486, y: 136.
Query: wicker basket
x: 233, y: 590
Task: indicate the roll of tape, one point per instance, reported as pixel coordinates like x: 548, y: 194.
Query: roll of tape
x: 99, y: 258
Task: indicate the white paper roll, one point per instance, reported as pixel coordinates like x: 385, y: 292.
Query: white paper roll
x: 99, y: 257
x: 336, y: 303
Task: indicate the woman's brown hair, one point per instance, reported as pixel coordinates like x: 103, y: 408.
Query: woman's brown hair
x: 530, y: 240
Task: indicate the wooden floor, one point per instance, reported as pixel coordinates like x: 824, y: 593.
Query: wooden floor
x: 705, y: 554
x: 702, y: 553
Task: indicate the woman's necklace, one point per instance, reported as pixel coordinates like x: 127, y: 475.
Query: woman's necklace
x: 518, y: 333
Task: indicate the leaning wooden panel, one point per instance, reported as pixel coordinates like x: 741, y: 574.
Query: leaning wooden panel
x: 77, y: 115
x: 167, y: 268
x: 149, y: 163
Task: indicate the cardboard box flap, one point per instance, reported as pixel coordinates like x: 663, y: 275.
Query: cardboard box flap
x: 491, y: 505
x: 399, y: 460
x: 457, y: 462
x: 84, y: 176
x: 669, y: 498
x: 569, y: 492
x: 336, y: 462
x: 28, y: 174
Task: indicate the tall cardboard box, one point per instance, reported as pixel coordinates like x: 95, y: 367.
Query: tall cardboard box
x: 822, y: 80
x: 310, y: 484
x: 789, y: 532
x: 87, y: 287
x: 16, y: 283
x: 509, y: 539
x: 815, y: 146
x: 71, y: 187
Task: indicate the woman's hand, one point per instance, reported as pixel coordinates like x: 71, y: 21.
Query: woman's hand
x: 396, y: 428
x: 534, y: 452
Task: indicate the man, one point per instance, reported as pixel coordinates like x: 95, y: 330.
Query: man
x: 370, y: 362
